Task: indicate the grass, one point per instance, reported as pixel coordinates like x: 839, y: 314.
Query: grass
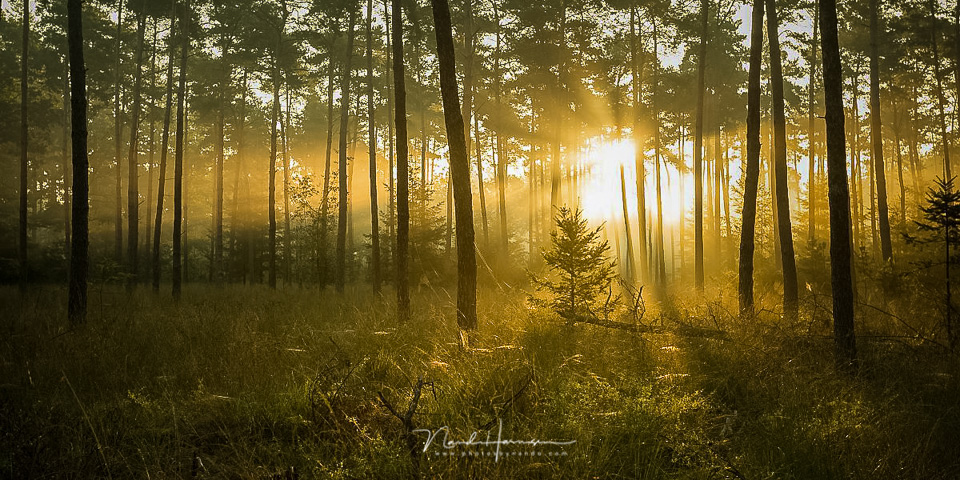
x: 245, y: 382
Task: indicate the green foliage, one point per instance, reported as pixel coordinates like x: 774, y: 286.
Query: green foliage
x: 942, y: 209
x: 578, y: 261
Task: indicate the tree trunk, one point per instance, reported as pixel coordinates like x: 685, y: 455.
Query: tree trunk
x: 631, y: 265
x: 272, y: 172
x: 285, y: 129
x: 403, y: 169
x: 941, y: 99
x: 226, y: 70
x: 164, y: 139
x: 24, y: 140
x: 372, y: 146
x: 788, y: 261
x: 811, y: 132
x: 841, y: 278
x: 501, y: 159
x: 641, y: 174
x: 698, y: 147
x: 65, y: 158
x: 117, y: 144
x: 483, y: 197
x: 391, y: 186
x: 459, y: 169
x: 752, y: 167
x: 148, y: 202
x: 178, y: 210
x: 342, y: 164
x: 661, y: 264
x: 77, y: 301
x: 325, y: 196
x: 133, y: 167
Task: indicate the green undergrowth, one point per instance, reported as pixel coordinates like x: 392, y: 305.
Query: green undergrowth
x: 245, y: 382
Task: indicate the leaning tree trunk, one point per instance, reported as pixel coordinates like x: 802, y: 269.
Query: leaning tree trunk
x: 403, y: 170
x: 698, y: 148
x: 372, y: 152
x: 459, y: 169
x: 752, y: 168
x: 77, y: 301
x: 877, y: 133
x: 841, y: 277
x: 24, y: 139
x: 342, y: 166
x: 164, y: 139
x: 133, y: 167
x: 787, y: 260
x: 178, y: 210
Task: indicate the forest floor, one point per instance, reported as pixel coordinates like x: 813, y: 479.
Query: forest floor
x: 245, y: 382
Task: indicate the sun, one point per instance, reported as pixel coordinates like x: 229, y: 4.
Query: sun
x: 600, y: 194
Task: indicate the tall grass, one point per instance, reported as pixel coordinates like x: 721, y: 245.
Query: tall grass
x: 245, y: 382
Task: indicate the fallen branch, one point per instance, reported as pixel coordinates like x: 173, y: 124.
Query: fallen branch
x: 683, y: 330
x: 407, y: 418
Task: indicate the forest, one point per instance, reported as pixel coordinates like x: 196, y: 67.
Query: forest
x: 281, y: 239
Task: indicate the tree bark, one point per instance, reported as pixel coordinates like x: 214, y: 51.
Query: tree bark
x: 641, y: 174
x: 811, y: 132
x: 403, y: 169
x: 841, y: 278
x: 342, y: 164
x: 752, y: 167
x: 787, y: 259
x: 164, y: 139
x: 459, y: 169
x: 178, y: 207
x: 24, y: 141
x: 117, y: 144
x: 77, y: 300
x: 372, y: 152
x: 133, y: 166
x: 941, y: 99
x: 698, y: 148
x: 877, y: 133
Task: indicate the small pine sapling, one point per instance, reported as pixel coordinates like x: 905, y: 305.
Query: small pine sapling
x: 942, y: 214
x: 581, y: 275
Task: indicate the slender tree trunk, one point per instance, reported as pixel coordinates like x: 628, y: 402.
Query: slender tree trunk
x: 391, y: 186
x: 148, y: 202
x: 631, y: 265
x: 403, y: 169
x: 661, y: 265
x: 561, y: 111
x: 225, y: 72
x: 841, y: 278
x: 459, y: 169
x: 877, y: 133
x: 65, y: 155
x: 501, y: 159
x: 178, y: 207
x: 941, y: 99
x: 272, y: 172
x: 133, y: 166
x: 788, y: 261
x: 372, y: 146
x: 636, y: 67
x: 164, y: 139
x: 118, y: 145
x: 77, y: 301
x: 698, y: 146
x: 483, y: 197
x: 811, y: 131
x: 752, y: 167
x: 342, y: 165
x: 24, y: 140
x: 325, y: 196
x: 285, y: 131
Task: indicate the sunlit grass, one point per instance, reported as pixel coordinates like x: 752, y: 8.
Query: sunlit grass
x: 251, y: 381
